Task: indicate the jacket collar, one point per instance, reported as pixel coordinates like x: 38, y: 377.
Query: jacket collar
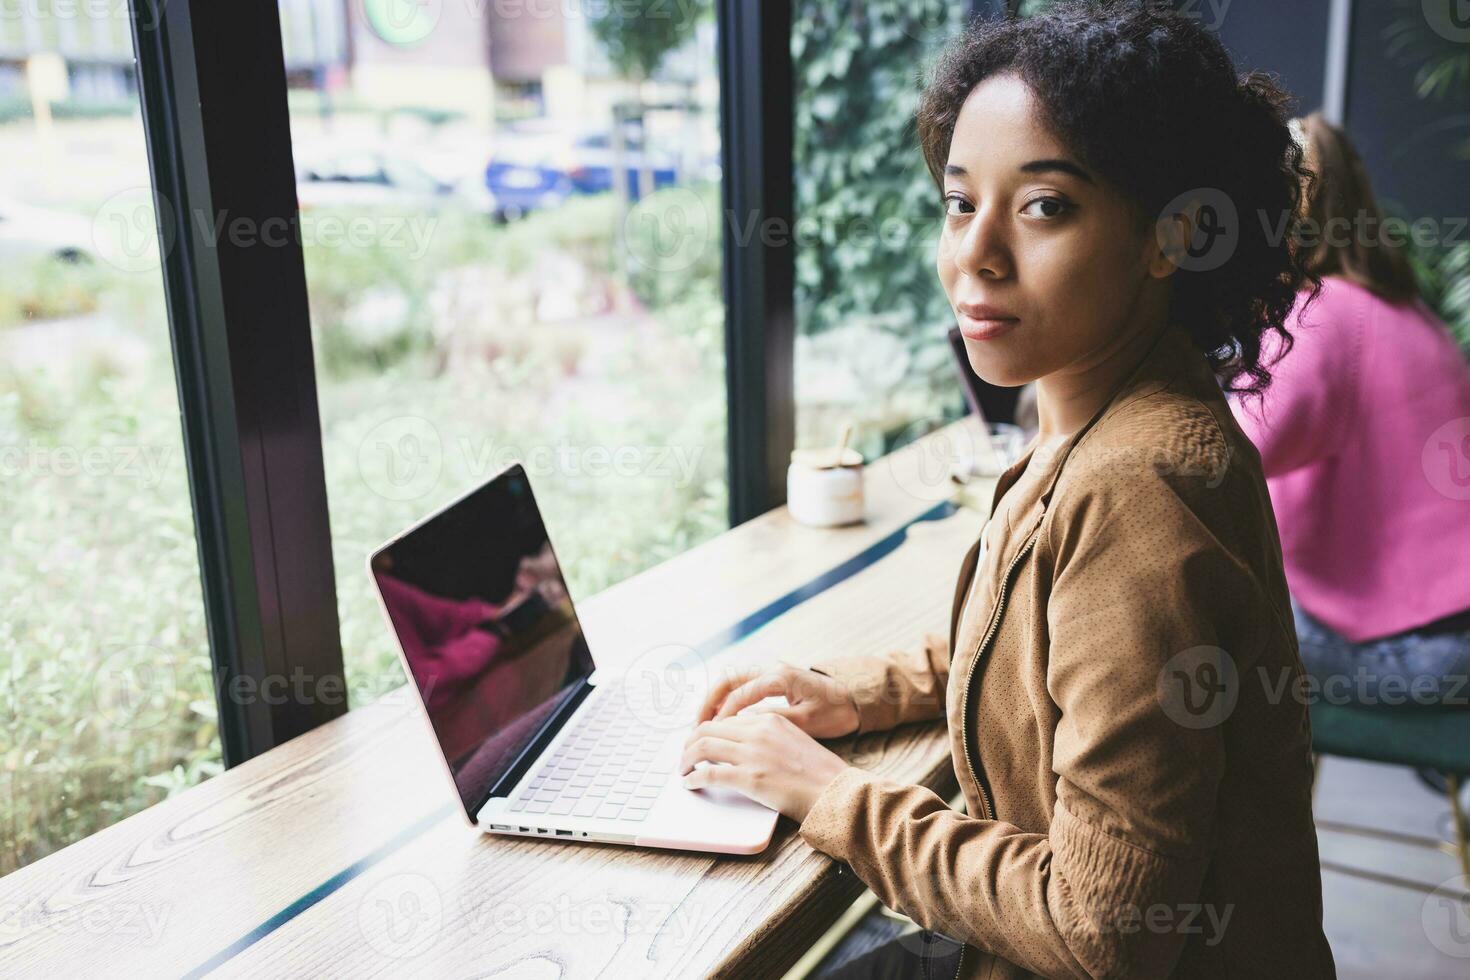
x: 1171, y: 353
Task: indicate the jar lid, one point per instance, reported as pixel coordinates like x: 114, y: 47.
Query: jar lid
x: 821, y: 459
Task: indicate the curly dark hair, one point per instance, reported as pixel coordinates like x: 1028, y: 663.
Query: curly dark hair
x: 1150, y: 100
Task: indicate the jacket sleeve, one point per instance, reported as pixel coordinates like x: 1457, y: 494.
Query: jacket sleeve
x: 1137, y: 580
x: 892, y: 688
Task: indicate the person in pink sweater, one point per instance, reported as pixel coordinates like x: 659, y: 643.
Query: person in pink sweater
x: 1364, y: 436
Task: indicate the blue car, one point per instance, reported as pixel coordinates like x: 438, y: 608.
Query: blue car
x: 524, y: 182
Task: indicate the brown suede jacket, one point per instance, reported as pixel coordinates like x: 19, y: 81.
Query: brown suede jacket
x: 1123, y: 723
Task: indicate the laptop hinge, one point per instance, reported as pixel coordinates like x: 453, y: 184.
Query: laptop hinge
x: 536, y: 746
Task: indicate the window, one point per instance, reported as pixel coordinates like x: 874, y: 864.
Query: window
x: 494, y: 275
x: 104, y: 659
x: 871, y: 316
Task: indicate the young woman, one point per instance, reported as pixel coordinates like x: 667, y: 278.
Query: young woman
x: 1365, y: 441
x: 1119, y: 673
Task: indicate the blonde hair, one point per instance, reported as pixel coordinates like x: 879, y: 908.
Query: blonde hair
x: 1342, y: 192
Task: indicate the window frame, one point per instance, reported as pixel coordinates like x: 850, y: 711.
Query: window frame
x: 212, y: 85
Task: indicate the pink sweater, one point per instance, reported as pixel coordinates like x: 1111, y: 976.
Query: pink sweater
x: 1364, y: 436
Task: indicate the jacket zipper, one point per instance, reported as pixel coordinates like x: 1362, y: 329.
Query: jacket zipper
x: 987, y: 809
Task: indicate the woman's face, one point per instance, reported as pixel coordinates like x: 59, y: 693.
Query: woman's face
x: 1057, y: 255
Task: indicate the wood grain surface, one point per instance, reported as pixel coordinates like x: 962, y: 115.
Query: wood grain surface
x: 342, y: 852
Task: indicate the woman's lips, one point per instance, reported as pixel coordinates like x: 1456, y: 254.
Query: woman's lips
x: 985, y: 328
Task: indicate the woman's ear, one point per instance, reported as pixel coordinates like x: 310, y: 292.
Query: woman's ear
x: 1172, y: 235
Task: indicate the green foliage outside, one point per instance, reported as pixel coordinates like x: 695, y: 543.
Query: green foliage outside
x: 868, y: 218
x: 637, y: 34
x: 104, y: 664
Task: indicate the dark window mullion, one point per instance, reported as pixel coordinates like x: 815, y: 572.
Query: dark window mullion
x: 213, y: 86
x: 756, y: 128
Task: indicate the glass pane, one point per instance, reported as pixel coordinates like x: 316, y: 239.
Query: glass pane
x: 104, y: 662
x: 871, y: 345
x: 497, y: 271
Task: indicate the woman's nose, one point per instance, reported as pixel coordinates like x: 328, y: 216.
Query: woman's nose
x: 983, y: 250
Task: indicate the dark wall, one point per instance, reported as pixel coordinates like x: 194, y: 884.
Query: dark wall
x: 1408, y: 143
x: 1287, y: 37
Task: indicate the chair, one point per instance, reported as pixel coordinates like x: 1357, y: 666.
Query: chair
x: 991, y: 402
x: 1422, y: 738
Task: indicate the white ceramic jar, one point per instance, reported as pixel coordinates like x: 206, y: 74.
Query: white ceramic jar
x: 820, y: 494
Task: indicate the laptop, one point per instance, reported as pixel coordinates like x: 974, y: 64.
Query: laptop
x: 536, y: 739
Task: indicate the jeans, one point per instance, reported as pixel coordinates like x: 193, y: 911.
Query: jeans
x: 1415, y: 668
x: 921, y: 955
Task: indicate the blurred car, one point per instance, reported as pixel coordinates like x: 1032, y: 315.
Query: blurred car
x: 371, y: 177
x: 538, y: 167
x: 28, y: 232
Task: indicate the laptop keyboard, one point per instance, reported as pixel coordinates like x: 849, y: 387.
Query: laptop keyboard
x: 608, y: 767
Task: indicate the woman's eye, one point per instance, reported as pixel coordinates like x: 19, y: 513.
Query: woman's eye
x: 1056, y: 206
x: 950, y: 203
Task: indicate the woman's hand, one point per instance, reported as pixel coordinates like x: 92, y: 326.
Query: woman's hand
x: 763, y: 756
x: 816, y: 704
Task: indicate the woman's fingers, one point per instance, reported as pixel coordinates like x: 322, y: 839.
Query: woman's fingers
x: 721, y: 689
x: 710, y: 748
x: 757, y: 689
x: 715, y: 696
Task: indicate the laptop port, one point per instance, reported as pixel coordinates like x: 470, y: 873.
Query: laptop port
x: 524, y: 830
x: 565, y: 833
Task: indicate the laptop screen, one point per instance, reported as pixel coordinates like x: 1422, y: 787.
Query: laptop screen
x: 487, y: 627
